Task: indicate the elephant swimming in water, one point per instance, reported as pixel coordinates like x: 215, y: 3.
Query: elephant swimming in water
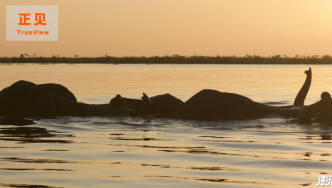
x: 215, y: 105
x: 28, y: 99
x: 25, y: 98
x: 321, y: 111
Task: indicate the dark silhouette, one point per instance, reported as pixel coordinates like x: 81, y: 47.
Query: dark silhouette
x: 25, y: 98
x: 299, y: 100
x: 48, y: 100
x: 165, y: 105
x: 215, y: 105
x: 59, y: 90
x: 324, y: 107
x: 174, y: 59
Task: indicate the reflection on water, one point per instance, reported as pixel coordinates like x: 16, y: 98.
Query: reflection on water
x: 16, y: 121
x: 30, y: 135
x: 151, y: 152
x: 25, y: 185
x: 124, y: 152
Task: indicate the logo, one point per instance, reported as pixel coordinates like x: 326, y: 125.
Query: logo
x: 324, y: 181
x: 32, y: 23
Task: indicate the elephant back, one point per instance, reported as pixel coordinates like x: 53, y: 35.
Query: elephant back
x: 59, y: 90
x: 165, y: 105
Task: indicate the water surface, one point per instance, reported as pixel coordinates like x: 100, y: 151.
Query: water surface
x: 124, y: 152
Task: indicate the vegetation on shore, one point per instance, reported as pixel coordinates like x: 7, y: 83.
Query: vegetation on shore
x: 174, y: 59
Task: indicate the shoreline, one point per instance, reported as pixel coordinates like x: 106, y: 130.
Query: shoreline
x: 175, y: 59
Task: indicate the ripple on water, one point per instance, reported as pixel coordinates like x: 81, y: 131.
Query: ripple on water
x: 153, y: 152
x: 262, y: 152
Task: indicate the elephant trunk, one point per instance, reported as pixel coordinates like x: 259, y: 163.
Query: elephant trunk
x: 299, y: 100
x: 289, y: 111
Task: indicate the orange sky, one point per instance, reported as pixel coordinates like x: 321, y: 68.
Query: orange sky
x: 185, y: 27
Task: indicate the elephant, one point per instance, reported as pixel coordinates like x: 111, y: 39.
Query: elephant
x: 25, y: 98
x: 321, y: 111
x: 215, y: 105
x: 59, y: 90
x: 165, y: 105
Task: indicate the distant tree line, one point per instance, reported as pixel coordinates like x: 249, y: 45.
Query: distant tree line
x: 174, y: 59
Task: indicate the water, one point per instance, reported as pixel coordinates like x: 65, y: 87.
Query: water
x: 125, y: 152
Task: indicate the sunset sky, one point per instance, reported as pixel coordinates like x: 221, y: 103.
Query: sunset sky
x: 185, y: 27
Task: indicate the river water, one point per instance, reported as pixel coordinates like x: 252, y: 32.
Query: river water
x: 273, y: 151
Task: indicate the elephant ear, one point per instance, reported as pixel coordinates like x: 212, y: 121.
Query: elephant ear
x: 116, y: 102
x: 146, y: 105
x: 42, y: 103
x: 59, y: 90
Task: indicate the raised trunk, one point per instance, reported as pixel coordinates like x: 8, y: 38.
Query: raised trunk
x: 299, y: 100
